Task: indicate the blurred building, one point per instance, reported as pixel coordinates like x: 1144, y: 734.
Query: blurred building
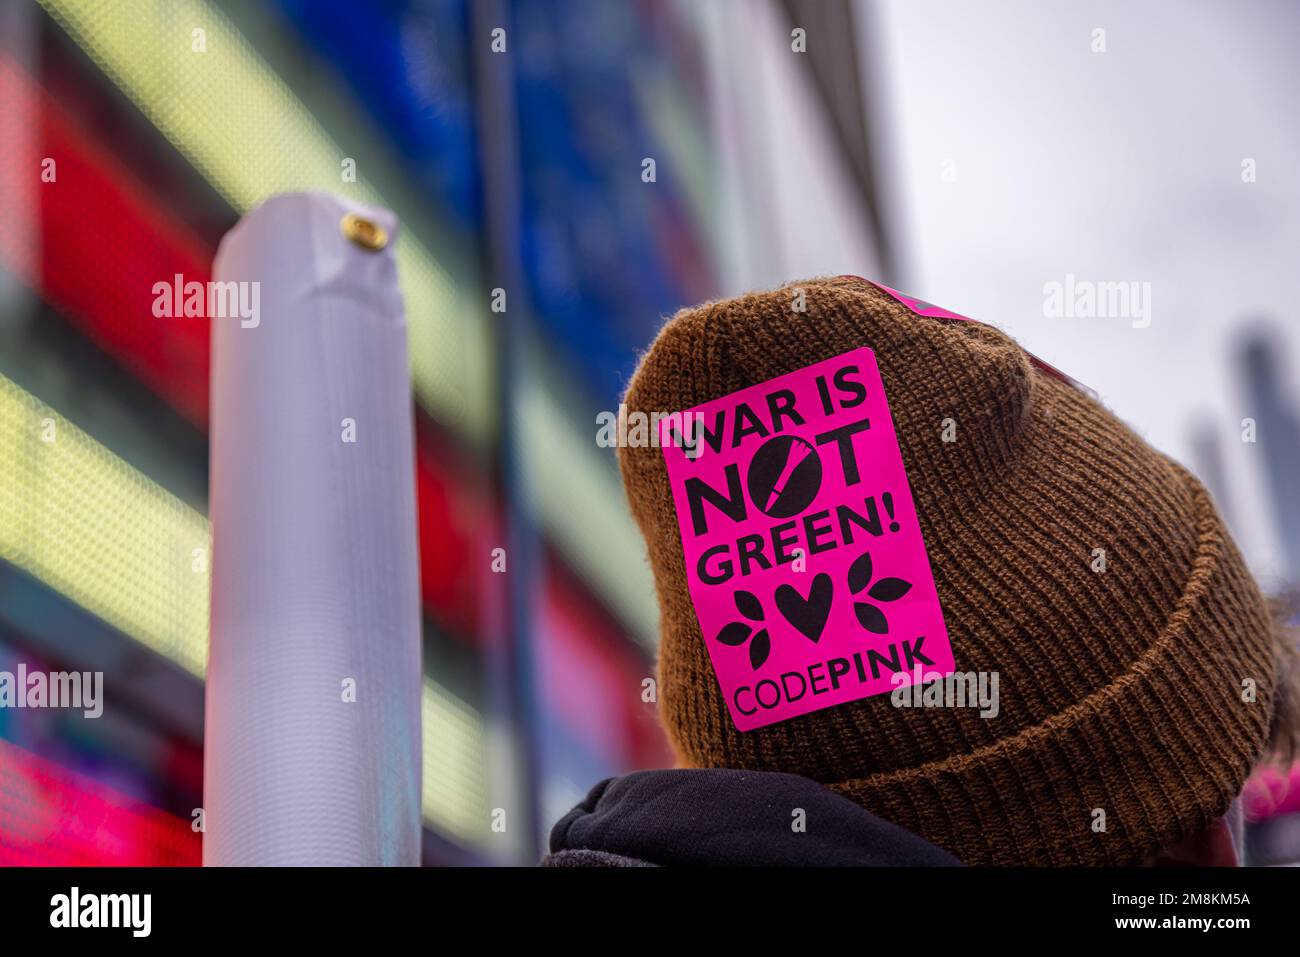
x: 1278, y: 438
x: 134, y: 135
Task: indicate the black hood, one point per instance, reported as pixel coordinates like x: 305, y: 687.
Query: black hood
x: 730, y: 819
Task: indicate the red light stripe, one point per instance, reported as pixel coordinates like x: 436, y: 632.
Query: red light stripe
x: 51, y: 817
x: 102, y: 247
x: 593, y: 680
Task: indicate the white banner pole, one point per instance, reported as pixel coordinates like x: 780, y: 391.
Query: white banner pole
x: 312, y: 739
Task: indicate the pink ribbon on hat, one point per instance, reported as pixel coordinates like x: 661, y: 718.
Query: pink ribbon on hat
x: 928, y: 309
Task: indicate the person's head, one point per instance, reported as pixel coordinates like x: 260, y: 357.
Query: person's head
x: 1134, y: 653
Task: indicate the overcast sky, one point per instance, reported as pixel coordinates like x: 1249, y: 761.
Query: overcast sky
x: 1122, y: 166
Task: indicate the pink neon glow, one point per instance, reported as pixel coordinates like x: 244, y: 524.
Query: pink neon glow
x: 52, y: 817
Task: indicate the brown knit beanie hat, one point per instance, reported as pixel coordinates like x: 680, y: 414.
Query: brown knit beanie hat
x: 1123, y: 690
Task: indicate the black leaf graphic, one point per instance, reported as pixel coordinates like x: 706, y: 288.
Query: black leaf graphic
x: 759, y: 649
x: 734, y: 634
x: 860, y: 573
x: 749, y: 606
x: 871, y: 617
x: 890, y: 589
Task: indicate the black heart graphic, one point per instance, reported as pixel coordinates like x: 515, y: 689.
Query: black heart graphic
x: 807, y: 614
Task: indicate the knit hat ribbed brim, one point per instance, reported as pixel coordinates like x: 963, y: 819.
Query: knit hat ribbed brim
x: 1120, y: 691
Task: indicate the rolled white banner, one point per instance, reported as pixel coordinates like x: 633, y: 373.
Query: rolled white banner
x: 312, y: 740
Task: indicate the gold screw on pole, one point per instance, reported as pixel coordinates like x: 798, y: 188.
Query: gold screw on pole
x: 364, y: 232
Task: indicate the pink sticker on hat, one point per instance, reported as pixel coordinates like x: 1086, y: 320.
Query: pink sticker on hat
x: 918, y: 306
x: 803, y: 552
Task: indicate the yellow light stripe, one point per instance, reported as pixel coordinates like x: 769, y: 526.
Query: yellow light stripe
x: 90, y: 526
x: 84, y: 522
x: 236, y: 121
x: 454, y: 771
x: 584, y: 509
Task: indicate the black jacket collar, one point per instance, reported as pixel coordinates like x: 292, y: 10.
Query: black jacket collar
x: 729, y: 818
